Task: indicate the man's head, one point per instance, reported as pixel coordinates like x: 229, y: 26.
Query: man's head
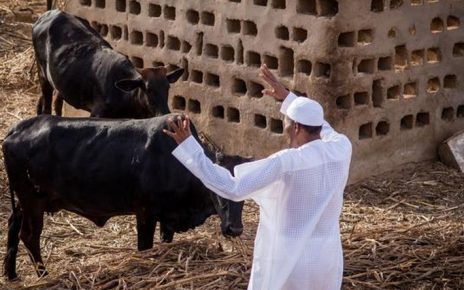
x: 303, y: 121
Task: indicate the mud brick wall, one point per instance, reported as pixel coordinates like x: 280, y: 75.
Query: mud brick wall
x: 388, y: 72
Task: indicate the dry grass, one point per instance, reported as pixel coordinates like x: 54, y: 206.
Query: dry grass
x: 403, y: 230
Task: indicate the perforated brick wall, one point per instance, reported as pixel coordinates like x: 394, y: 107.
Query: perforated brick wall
x: 388, y: 72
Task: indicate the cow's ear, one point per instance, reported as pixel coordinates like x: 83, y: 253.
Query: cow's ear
x: 174, y: 75
x: 129, y: 85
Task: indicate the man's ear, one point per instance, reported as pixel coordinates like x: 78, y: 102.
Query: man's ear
x: 129, y: 85
x: 174, y: 75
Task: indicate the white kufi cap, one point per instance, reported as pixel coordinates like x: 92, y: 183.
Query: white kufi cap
x: 306, y: 111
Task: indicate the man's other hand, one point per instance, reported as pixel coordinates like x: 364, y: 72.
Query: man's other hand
x: 277, y: 91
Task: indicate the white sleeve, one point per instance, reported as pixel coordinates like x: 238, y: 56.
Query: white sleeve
x: 326, y: 131
x: 249, y: 177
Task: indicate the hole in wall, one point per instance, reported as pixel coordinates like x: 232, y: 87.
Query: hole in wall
x: 382, y: 128
x: 417, y: 57
x: 260, y: 2
x: 458, y: 49
x: 328, y: 7
x: 253, y: 59
x: 212, y: 80
x: 365, y: 131
x: 218, y: 112
x: 207, y: 18
x: 437, y: 25
x: 299, y: 34
x: 100, y: 3
x: 306, y: 7
x: 134, y: 7
x: 152, y: 39
x: 255, y: 90
x: 343, y: 102
x: 401, y: 57
x: 121, y: 5
x: 447, y: 114
x: 433, y: 85
x: 154, y: 10
x: 281, y: 32
x: 452, y: 22
x: 407, y: 122
x: 276, y: 126
x: 85, y: 2
x: 385, y: 63
x: 322, y: 70
x: 365, y: 36
x: 422, y: 119
x: 393, y: 93
x: 450, y: 82
x: 377, y: 5
x: 278, y: 4
x: 239, y: 87
x: 271, y: 61
x: 249, y: 28
x: 227, y: 53
x: 197, y: 76
x: 193, y: 16
x: 233, y: 25
x: 286, y: 61
x: 377, y: 93
x: 211, y: 50
x: 366, y: 66
x: 169, y: 12
x: 460, y: 111
x: 395, y: 4
x: 136, y: 37
x: 346, y: 39
x: 304, y: 66
x: 194, y: 106
x: 410, y: 90
x: 178, y: 103
x: 361, y: 98
x: 173, y: 43
x: 233, y: 115
x: 185, y: 46
x: 260, y: 121
x: 433, y: 55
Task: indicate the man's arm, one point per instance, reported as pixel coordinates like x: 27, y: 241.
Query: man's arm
x: 249, y: 177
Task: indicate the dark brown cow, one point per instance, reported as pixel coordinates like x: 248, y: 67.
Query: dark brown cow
x: 103, y: 168
x: 85, y: 71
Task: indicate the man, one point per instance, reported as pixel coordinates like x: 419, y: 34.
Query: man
x: 299, y: 192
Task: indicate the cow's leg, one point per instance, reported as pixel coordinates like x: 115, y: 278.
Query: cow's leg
x: 58, y: 104
x: 166, y: 235
x: 14, y: 226
x: 146, y: 224
x: 31, y: 229
x: 44, y: 105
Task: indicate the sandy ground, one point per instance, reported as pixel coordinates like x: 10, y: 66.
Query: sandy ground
x: 401, y: 230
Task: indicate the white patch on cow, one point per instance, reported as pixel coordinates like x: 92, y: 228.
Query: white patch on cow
x: 47, y: 69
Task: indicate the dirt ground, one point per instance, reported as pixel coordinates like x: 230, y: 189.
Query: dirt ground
x: 401, y: 230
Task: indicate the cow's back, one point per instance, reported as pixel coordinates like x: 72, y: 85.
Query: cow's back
x: 77, y: 61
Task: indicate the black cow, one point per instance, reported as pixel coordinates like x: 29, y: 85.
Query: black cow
x: 103, y: 168
x: 87, y: 73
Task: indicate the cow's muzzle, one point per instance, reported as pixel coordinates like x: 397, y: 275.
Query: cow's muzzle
x: 232, y: 231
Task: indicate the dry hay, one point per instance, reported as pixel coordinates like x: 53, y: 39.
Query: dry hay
x: 403, y: 230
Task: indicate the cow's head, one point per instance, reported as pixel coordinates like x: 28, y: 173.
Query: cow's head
x: 155, y: 84
x: 229, y: 211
